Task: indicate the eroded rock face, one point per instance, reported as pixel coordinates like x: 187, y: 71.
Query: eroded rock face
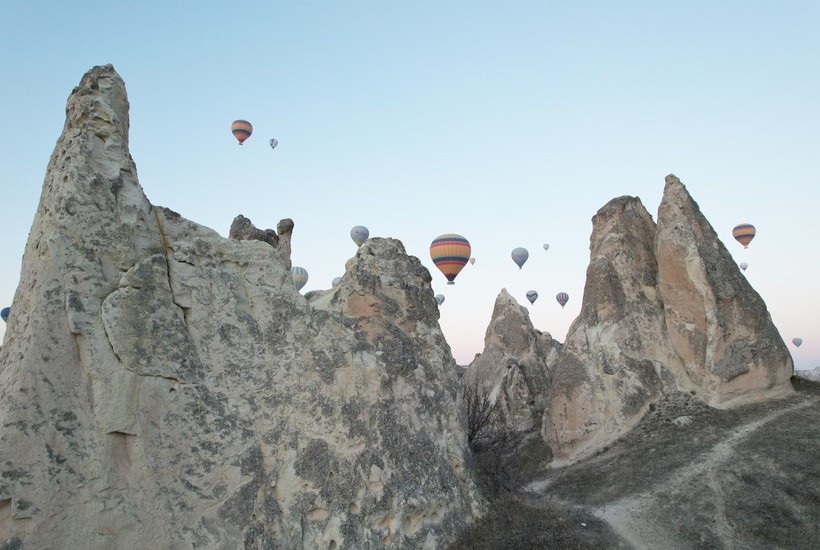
x: 617, y: 358
x: 163, y: 387
x: 665, y: 309
x: 515, y: 366
x: 242, y: 229
x: 717, y: 323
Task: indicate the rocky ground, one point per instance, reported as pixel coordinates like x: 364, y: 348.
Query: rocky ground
x: 688, y: 476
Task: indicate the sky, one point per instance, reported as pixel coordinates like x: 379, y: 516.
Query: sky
x: 508, y: 122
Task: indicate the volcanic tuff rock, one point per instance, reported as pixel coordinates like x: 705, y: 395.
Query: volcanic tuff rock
x: 718, y: 324
x: 515, y: 366
x: 243, y: 230
x: 164, y: 387
x: 665, y: 308
x: 617, y: 358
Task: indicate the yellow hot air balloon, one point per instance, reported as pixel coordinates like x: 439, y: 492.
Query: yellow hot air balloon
x: 450, y: 252
x: 744, y: 233
x: 241, y: 130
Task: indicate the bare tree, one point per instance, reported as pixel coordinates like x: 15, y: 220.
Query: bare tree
x: 493, y: 443
x: 480, y: 414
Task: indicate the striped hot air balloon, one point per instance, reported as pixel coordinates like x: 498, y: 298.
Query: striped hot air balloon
x: 242, y: 130
x: 299, y: 275
x: 532, y: 296
x: 744, y: 233
x: 450, y: 252
x: 562, y: 298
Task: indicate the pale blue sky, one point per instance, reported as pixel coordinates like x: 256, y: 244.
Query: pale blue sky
x: 508, y: 122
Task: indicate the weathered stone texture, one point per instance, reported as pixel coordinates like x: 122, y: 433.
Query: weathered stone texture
x: 717, y: 323
x: 665, y: 308
x: 164, y: 387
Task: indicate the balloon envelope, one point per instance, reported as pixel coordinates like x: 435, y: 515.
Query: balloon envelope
x: 519, y: 256
x: 274, y: 143
x: 299, y: 276
x: 359, y: 234
x: 743, y: 266
x: 4, y: 313
x: 744, y: 233
x: 797, y: 341
x: 450, y: 252
x: 546, y: 246
x: 439, y: 299
x: 241, y: 130
x: 532, y: 296
x: 562, y: 298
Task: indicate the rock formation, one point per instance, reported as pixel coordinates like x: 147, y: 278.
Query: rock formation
x: 717, y: 323
x: 515, y: 366
x: 243, y: 230
x: 665, y: 308
x: 164, y: 387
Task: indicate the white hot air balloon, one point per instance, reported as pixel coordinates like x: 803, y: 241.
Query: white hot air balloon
x: 472, y: 261
x: 743, y: 266
x: 274, y: 143
x: 439, y: 299
x: 532, y: 296
x: 335, y: 282
x: 797, y: 341
x: 359, y: 234
x: 546, y: 247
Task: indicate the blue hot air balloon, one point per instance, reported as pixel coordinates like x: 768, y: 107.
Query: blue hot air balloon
x: 359, y: 234
x: 519, y: 256
x: 4, y: 313
x: 532, y: 296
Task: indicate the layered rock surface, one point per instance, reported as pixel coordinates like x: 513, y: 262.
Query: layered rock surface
x: 164, y: 387
x: 665, y: 308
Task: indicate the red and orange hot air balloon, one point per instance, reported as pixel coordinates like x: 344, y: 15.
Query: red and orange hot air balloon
x: 241, y: 130
x: 450, y: 252
x: 744, y: 233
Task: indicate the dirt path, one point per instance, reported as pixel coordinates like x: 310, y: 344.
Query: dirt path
x: 634, y: 517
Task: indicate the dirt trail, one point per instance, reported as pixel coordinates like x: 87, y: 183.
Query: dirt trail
x: 686, y: 477
x: 634, y: 517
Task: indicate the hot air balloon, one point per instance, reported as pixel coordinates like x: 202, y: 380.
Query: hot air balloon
x: 439, y: 299
x: 450, y: 252
x: 743, y: 266
x: 532, y: 296
x: 242, y: 130
x: 335, y: 282
x: 472, y: 261
x: 359, y: 234
x: 519, y: 256
x: 299, y: 275
x: 562, y: 298
x: 797, y: 341
x: 546, y: 247
x: 744, y: 233
x: 274, y: 143
x: 4, y: 313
